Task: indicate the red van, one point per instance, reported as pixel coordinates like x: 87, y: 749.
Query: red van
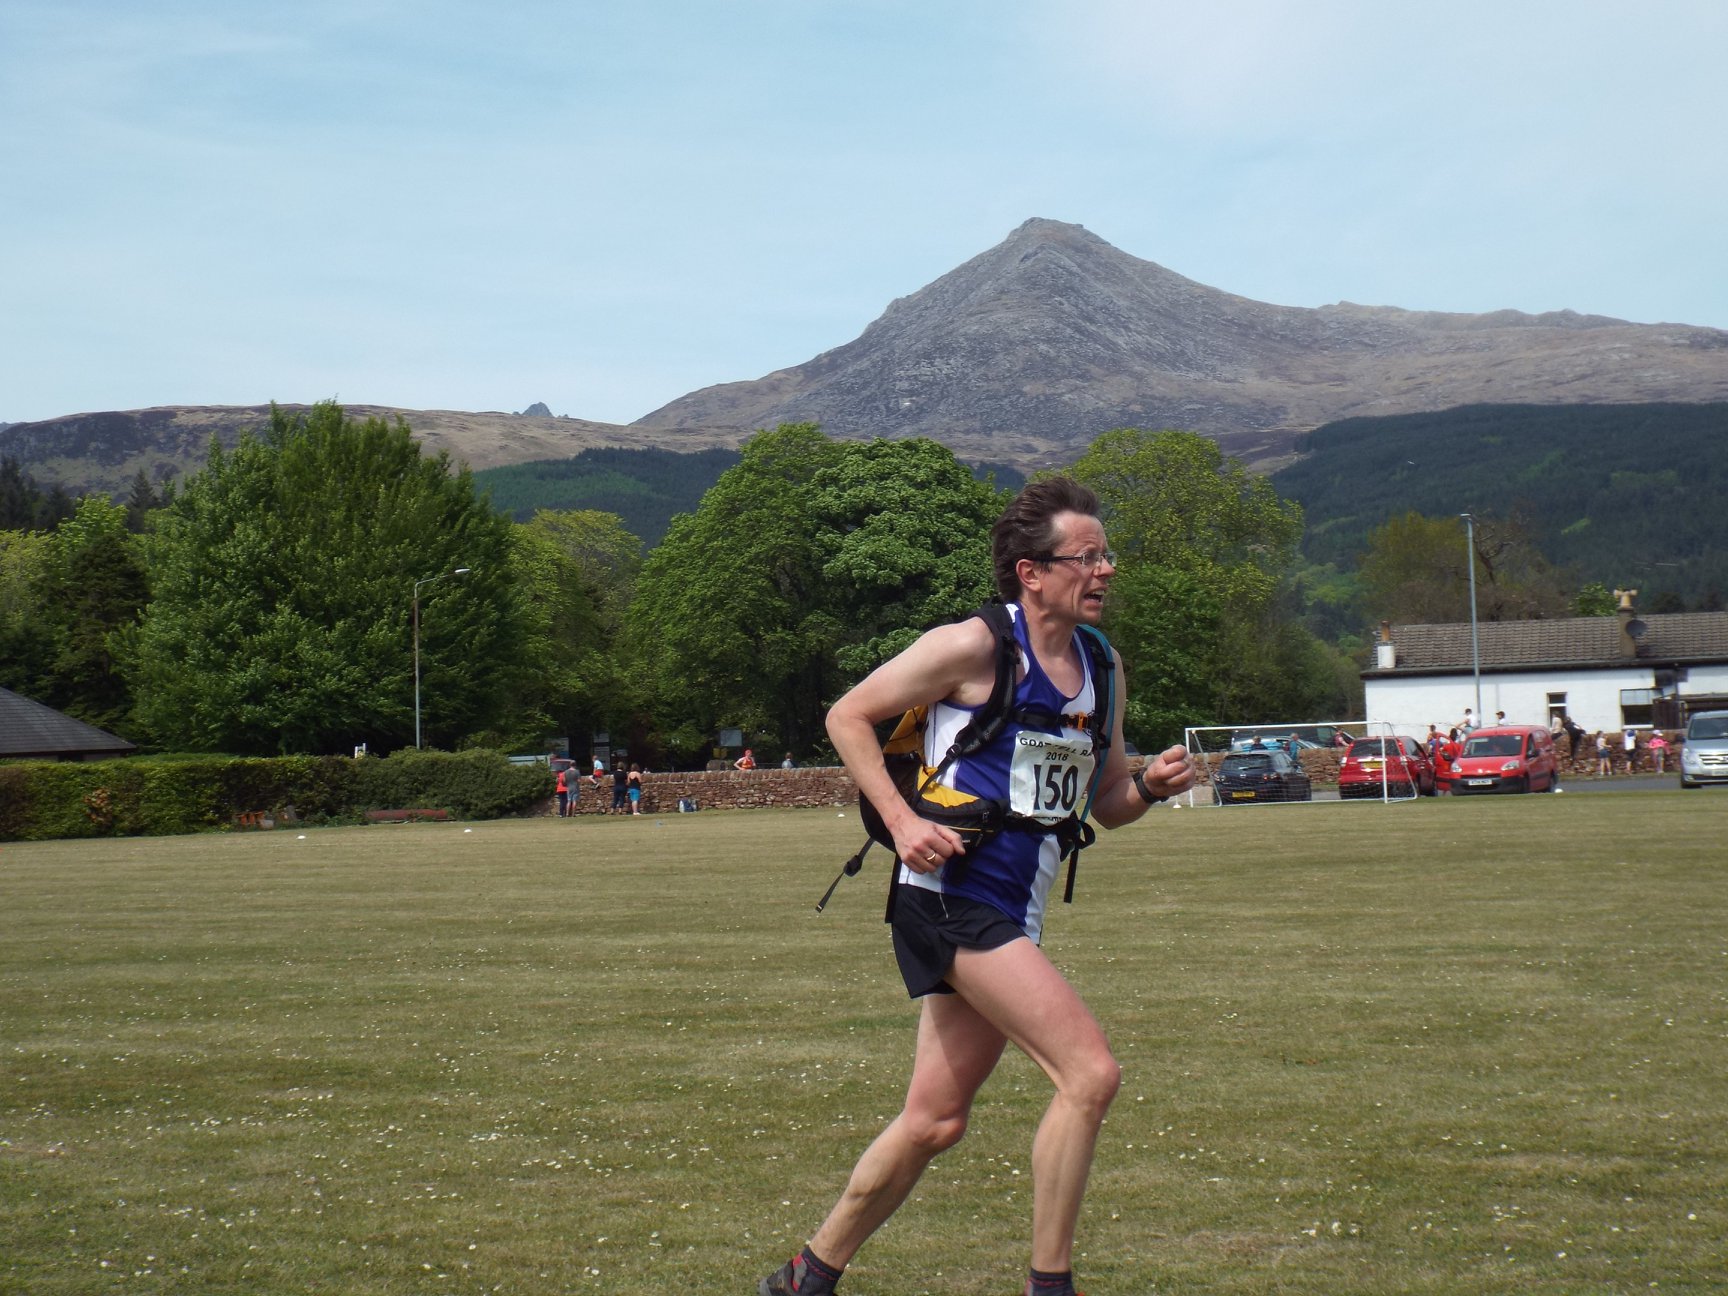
x: 1507, y: 758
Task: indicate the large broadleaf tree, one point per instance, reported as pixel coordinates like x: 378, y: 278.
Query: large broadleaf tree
x: 1196, y: 608
x: 284, y: 577
x: 804, y: 566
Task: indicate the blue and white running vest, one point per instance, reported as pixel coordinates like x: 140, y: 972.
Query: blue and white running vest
x: 1042, y: 774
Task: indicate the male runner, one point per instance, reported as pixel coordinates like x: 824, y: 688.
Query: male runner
x: 966, y: 924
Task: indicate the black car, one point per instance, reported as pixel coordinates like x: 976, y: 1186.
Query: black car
x: 1270, y: 775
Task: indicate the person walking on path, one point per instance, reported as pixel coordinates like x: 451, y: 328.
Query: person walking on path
x: 966, y: 921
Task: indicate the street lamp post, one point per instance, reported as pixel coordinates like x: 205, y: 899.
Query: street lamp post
x: 1475, y: 645
x: 460, y: 571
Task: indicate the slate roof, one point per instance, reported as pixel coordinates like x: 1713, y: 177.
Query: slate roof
x: 29, y: 729
x: 1670, y: 638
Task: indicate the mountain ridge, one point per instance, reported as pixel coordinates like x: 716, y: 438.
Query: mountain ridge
x: 1071, y: 336
x: 1023, y: 354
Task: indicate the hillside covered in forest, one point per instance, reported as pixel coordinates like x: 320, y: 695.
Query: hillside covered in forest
x: 1628, y: 495
x: 644, y: 487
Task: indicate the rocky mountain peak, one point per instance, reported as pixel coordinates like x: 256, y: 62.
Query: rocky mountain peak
x: 1031, y: 348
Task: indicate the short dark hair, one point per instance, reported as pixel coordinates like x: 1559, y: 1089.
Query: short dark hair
x: 1027, y: 527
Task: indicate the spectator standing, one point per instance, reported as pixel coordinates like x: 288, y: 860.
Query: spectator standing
x: 563, y: 786
x: 1450, y: 750
x: 1499, y: 719
x: 1631, y: 742
x: 635, y: 789
x: 1658, y: 751
x: 620, y: 790
x: 745, y: 762
x: 1604, y: 757
x: 788, y: 762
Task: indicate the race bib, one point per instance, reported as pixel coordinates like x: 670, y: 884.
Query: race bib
x: 1049, y: 776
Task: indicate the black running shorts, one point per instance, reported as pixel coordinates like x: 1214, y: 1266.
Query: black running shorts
x: 929, y: 926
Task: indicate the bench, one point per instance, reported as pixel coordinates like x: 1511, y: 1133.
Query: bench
x: 407, y: 816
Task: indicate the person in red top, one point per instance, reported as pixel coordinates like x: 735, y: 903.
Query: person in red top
x: 1450, y: 750
x: 745, y: 762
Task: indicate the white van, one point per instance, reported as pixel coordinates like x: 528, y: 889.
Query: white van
x: 1704, y: 758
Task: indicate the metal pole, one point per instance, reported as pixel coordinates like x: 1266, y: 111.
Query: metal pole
x: 417, y: 585
x: 460, y: 571
x: 1475, y: 645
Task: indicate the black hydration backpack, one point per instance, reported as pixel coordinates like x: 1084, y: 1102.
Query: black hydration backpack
x: 978, y: 819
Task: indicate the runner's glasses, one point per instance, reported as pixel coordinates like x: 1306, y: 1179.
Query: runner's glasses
x: 1087, y: 561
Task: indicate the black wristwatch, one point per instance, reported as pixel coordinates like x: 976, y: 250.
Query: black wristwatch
x: 1139, y: 782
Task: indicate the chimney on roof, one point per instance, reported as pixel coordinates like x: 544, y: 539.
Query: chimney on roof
x: 1631, y: 628
x: 1385, y: 653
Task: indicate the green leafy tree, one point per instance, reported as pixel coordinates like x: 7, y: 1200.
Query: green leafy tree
x: 805, y: 565
x: 26, y: 641
x: 1593, y: 600
x: 284, y: 575
x: 1207, y: 549
x: 904, y: 532
x: 577, y: 570
x: 1416, y: 570
x: 89, y: 592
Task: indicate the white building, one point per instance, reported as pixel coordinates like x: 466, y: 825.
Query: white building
x: 1605, y: 672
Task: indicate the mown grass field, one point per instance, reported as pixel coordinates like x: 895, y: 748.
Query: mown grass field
x: 1448, y: 1047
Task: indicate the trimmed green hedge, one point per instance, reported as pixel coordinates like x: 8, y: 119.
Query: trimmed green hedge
x: 156, y: 796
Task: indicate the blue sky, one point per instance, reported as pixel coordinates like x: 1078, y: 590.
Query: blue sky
x: 464, y: 205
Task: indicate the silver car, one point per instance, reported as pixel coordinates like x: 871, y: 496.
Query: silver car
x: 1704, y: 758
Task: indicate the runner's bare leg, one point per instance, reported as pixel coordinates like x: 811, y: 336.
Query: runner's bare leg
x: 1020, y: 992
x: 957, y: 1050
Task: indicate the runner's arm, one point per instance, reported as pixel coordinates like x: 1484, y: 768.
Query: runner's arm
x: 951, y: 661
x: 1166, y: 775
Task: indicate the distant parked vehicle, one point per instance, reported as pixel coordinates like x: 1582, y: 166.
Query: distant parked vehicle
x: 1270, y: 775
x: 1704, y: 758
x: 1308, y: 737
x: 1397, y: 766
x: 1507, y: 759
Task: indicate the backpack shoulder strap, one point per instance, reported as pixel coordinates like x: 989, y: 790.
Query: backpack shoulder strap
x: 1103, y: 664
x: 987, y: 722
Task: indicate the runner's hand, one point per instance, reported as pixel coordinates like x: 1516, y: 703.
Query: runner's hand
x: 1171, y: 772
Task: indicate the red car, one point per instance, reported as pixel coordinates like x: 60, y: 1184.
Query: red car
x: 1508, y: 759
x: 1395, y: 767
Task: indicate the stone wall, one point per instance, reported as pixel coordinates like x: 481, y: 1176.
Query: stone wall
x: 825, y: 785
x: 830, y: 785
x: 730, y: 789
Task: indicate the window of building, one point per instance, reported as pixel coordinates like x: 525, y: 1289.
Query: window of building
x: 1635, y: 706
x: 1556, y: 708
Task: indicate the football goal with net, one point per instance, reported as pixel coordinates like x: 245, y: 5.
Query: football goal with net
x: 1305, y: 761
